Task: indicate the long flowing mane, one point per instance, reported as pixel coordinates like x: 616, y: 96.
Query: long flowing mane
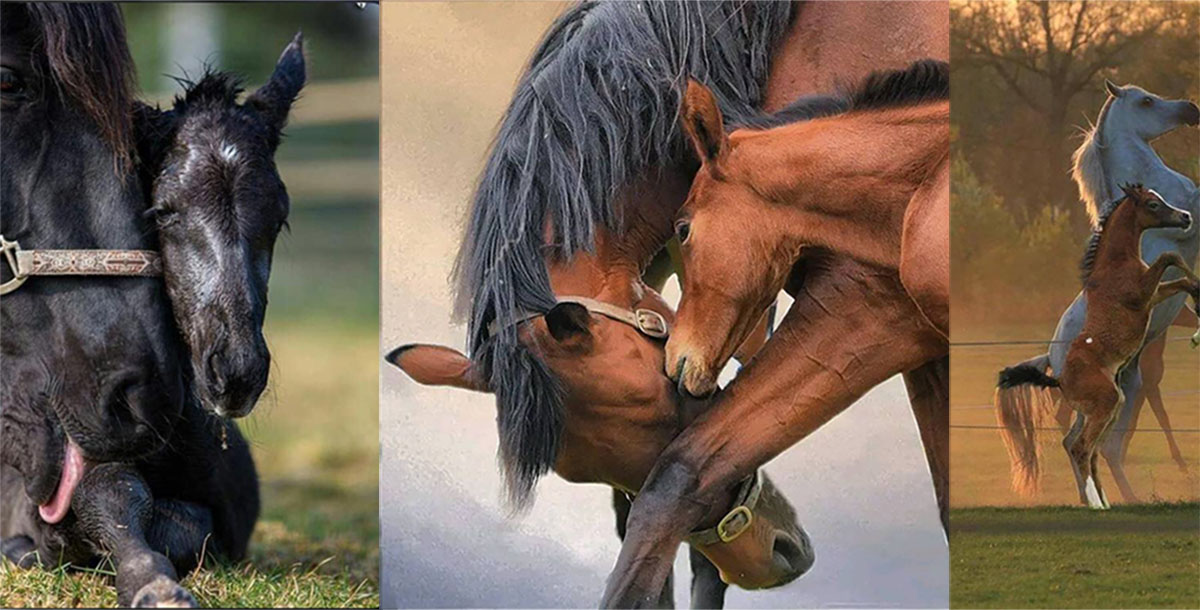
x: 596, y: 107
x: 82, y: 48
x: 1087, y: 168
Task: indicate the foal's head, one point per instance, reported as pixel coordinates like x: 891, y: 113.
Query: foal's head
x: 1150, y: 211
x: 724, y: 233
x: 1135, y: 110
x: 219, y: 205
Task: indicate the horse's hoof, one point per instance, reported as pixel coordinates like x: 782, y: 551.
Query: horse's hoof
x: 162, y: 592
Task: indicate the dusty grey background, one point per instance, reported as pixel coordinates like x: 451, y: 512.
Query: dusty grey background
x: 860, y: 484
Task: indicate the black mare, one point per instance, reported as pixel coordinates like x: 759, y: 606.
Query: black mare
x: 99, y: 415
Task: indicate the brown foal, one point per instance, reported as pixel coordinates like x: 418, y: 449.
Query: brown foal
x: 867, y: 194
x: 1121, y: 292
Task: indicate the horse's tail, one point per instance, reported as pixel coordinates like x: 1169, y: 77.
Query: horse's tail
x: 1022, y: 401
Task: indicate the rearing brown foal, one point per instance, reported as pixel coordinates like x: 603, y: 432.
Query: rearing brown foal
x: 1121, y: 292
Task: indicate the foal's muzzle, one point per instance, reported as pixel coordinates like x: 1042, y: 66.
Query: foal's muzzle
x: 231, y: 378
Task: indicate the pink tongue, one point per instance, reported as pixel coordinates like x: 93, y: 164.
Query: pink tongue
x: 72, y: 470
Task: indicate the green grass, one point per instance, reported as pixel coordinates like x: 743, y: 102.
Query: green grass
x: 315, y: 442
x: 1145, y: 556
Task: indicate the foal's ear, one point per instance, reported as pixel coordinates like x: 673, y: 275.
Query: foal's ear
x: 275, y: 98
x: 702, y: 123
x: 437, y: 365
x: 1114, y: 89
x: 569, y: 323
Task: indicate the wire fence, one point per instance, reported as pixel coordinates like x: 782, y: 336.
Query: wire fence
x: 1031, y: 342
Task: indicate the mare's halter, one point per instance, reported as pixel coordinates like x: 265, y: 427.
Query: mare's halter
x: 654, y: 325
x: 646, y: 321
x: 27, y: 263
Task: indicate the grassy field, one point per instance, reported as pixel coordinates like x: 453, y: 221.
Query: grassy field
x: 315, y: 441
x: 978, y: 460
x: 1145, y: 556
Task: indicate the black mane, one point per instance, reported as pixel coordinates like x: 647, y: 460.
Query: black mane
x: 596, y: 107
x: 214, y: 87
x: 1093, y: 245
x: 923, y: 81
x: 84, y: 51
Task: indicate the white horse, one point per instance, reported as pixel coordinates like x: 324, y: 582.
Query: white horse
x: 1117, y: 151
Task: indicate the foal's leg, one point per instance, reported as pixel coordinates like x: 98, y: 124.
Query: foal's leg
x: 1097, y: 411
x: 1128, y: 384
x: 666, y: 599
x: 115, y: 510
x: 1069, y: 441
x: 927, y: 393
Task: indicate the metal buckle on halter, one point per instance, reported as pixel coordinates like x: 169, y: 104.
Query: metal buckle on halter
x: 11, y: 251
x: 652, y: 323
x: 736, y: 522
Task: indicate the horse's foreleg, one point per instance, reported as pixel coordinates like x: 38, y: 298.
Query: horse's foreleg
x: 115, y: 511
x: 927, y: 393
x: 1171, y: 288
x: 831, y: 348
x: 183, y: 532
x: 708, y: 590
x: 1152, y: 374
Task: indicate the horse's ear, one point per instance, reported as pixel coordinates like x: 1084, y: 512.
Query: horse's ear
x: 569, y: 323
x: 703, y: 124
x: 274, y: 99
x: 1113, y: 88
x: 437, y: 365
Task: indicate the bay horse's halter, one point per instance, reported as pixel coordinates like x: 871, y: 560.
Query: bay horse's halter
x: 654, y: 325
x: 646, y: 321
x: 27, y: 263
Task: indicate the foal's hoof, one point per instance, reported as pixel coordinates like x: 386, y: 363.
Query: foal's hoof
x: 162, y: 592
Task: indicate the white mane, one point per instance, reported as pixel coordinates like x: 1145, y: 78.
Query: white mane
x: 1088, y: 169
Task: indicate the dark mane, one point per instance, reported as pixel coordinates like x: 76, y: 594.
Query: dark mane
x: 1093, y: 246
x: 596, y: 107
x: 84, y: 51
x: 923, y: 81
x: 213, y: 88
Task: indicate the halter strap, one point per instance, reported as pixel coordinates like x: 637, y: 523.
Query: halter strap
x: 27, y: 263
x: 646, y: 321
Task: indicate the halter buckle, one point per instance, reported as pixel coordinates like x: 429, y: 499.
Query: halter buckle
x: 736, y: 522
x: 11, y: 250
x: 652, y: 324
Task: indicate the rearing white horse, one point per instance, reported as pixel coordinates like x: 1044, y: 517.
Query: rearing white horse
x: 1117, y: 151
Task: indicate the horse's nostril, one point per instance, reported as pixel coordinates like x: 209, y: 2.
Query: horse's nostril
x: 797, y: 555
x: 217, y: 373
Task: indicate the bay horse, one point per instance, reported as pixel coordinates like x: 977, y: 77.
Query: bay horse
x: 1122, y: 292
x: 104, y: 450
x: 589, y: 153
x: 619, y: 412
x: 1117, y: 150
x: 218, y: 204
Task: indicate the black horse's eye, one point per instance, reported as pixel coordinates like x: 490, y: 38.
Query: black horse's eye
x: 683, y: 230
x: 1147, y: 102
x: 10, y: 82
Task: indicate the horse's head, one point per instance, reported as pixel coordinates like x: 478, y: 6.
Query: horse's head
x: 220, y: 204
x: 620, y: 413
x: 1151, y: 211
x: 90, y: 368
x: 1145, y: 114
x: 735, y: 260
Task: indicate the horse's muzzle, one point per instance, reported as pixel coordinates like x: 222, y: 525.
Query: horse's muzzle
x: 1191, y: 114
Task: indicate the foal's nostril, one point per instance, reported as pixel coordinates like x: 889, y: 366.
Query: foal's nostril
x: 217, y: 372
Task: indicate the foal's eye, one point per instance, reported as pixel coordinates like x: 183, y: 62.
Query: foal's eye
x: 10, y: 82
x: 683, y: 230
x: 162, y: 216
x: 1147, y: 102
x: 1153, y: 206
